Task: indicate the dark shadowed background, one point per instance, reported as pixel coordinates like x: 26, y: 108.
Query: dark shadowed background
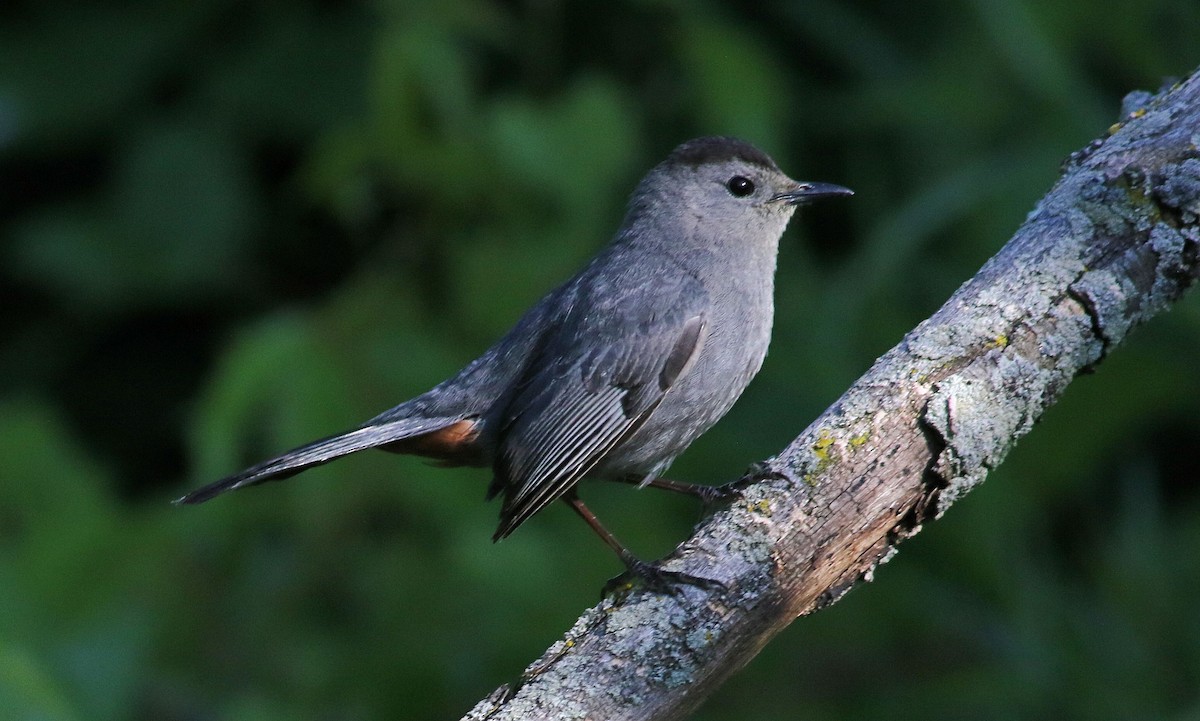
x: 228, y: 227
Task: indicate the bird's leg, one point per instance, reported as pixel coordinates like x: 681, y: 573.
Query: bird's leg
x: 758, y: 471
x: 654, y: 577
x: 708, y: 495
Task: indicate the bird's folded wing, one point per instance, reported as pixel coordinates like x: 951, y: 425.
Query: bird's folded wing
x: 570, y: 414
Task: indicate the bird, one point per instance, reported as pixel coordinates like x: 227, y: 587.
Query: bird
x: 614, y: 373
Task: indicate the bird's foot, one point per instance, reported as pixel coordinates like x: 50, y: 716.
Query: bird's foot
x: 658, y: 579
x: 712, y: 496
x: 758, y: 471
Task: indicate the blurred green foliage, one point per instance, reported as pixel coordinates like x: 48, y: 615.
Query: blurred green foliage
x: 227, y: 228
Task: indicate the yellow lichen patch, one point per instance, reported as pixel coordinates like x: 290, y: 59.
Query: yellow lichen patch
x: 1132, y: 116
x: 760, y: 507
x: 822, y: 446
x: 860, y: 440
x: 1000, y: 341
x: 823, y: 449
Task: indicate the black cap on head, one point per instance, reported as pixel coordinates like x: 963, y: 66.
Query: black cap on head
x: 718, y: 148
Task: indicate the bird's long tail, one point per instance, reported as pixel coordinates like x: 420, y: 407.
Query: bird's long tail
x: 323, y: 451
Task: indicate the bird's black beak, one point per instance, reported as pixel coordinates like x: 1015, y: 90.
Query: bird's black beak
x: 807, y: 192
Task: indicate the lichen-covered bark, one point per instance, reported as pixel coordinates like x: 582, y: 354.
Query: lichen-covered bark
x: 1113, y: 243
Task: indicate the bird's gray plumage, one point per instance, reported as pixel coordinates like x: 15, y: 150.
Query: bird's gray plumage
x: 617, y: 371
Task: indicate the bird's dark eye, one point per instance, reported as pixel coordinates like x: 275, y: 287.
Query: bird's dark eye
x: 740, y: 186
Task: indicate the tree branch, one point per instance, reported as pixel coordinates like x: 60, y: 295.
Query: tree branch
x: 1113, y: 243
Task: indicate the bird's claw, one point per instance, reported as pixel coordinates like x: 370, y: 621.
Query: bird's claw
x: 711, y: 496
x: 758, y: 471
x: 733, y: 490
x: 658, y: 579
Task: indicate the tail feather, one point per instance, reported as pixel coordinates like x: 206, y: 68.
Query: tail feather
x: 319, y: 452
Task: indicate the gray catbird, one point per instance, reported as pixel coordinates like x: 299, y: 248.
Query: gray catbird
x: 614, y: 373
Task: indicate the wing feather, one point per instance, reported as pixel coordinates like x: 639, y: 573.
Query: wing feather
x: 574, y: 413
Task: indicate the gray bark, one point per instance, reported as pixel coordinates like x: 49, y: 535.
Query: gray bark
x: 1113, y: 243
